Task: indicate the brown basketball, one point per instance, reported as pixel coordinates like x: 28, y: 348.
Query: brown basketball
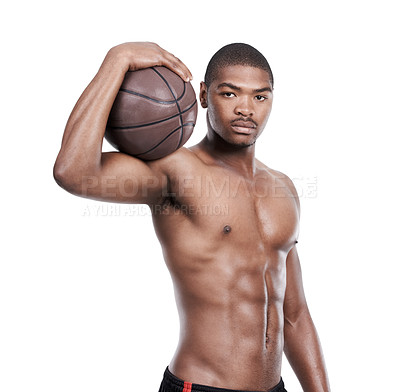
x: 153, y: 114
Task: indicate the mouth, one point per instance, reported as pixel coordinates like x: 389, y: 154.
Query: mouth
x: 244, y: 127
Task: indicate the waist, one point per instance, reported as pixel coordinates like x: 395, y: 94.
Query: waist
x: 172, y: 381
x: 242, y: 366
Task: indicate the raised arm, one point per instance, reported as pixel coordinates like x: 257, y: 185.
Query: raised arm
x: 302, y: 347
x: 81, y: 168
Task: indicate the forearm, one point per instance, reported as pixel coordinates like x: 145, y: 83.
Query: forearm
x: 304, y: 353
x: 80, y: 152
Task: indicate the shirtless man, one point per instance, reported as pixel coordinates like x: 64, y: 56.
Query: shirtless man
x: 228, y: 224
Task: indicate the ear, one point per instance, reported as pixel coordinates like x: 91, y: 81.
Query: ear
x: 203, y: 95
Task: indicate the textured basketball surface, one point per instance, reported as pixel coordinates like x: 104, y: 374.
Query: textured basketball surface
x: 153, y: 114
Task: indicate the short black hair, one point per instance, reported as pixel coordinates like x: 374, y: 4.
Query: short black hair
x: 236, y: 54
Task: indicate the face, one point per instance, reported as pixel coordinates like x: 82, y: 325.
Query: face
x: 239, y: 102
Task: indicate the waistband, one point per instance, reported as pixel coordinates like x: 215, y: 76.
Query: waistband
x: 184, y: 386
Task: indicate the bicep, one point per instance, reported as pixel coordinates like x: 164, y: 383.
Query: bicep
x: 295, y: 302
x: 121, y: 178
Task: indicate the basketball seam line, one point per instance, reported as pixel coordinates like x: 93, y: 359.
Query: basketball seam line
x: 155, y: 122
x: 125, y: 90
x: 166, y: 137
x: 177, y: 104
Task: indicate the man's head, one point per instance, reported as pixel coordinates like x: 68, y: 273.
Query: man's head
x: 236, y: 54
x: 238, y: 94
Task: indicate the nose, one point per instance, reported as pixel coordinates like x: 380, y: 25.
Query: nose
x: 244, y: 107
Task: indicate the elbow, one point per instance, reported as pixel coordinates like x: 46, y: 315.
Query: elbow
x: 64, y: 177
x: 74, y: 179
x: 292, y: 319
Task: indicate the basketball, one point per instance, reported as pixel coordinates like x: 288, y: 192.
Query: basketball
x: 153, y: 114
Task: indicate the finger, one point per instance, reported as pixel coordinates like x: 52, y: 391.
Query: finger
x: 183, y: 66
x: 176, y: 63
x: 177, y: 66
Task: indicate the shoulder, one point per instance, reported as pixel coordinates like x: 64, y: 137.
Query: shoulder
x: 280, y: 180
x: 182, y: 161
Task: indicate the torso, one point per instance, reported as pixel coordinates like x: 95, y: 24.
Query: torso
x: 225, y: 240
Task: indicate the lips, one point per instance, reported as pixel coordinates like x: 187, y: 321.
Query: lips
x: 245, y: 127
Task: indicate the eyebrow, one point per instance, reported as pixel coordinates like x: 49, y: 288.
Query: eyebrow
x: 233, y: 87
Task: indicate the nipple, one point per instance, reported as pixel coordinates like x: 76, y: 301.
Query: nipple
x: 227, y: 229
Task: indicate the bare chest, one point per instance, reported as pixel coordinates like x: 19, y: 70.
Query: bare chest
x: 260, y: 213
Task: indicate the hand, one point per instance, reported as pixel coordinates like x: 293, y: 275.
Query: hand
x: 139, y: 55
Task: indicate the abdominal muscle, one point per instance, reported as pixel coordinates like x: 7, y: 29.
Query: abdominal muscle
x: 231, y: 324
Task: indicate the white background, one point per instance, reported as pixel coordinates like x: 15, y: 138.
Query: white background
x: 86, y: 302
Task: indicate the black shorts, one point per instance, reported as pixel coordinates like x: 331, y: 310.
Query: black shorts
x: 170, y: 383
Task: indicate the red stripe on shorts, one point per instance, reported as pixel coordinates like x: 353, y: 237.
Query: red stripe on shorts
x: 187, y: 386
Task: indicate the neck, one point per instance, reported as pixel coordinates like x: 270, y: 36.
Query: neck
x: 238, y: 158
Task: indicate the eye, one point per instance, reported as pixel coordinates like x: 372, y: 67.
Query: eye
x: 260, y: 98
x: 228, y: 94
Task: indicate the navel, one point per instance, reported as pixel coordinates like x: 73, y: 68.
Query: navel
x: 227, y: 229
